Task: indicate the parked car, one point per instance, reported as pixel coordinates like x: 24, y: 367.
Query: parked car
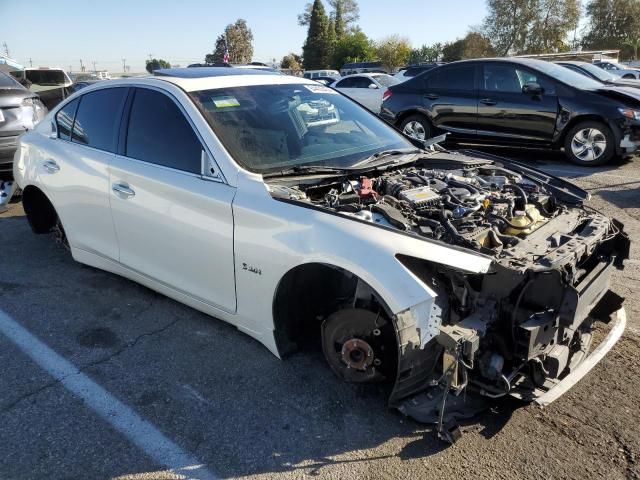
x: 415, y: 70
x: 326, y: 80
x: 78, y: 85
x: 420, y: 267
x: 362, y: 67
x: 50, y: 83
x: 366, y: 88
x: 619, y: 69
x: 597, y: 73
x: 519, y: 101
x: 314, y: 74
x: 20, y: 110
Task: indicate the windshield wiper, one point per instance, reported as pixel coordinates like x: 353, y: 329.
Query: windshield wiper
x: 373, y: 159
x: 305, y: 170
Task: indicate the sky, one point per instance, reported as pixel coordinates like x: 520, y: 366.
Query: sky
x: 61, y: 32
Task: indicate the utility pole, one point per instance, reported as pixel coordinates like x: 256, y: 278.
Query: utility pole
x: 70, y: 68
x: 150, y: 56
x: 81, y: 66
x: 6, y: 49
x: 124, y: 65
x: 94, y: 66
x: 30, y: 62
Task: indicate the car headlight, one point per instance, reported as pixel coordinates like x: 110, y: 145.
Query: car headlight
x: 630, y: 113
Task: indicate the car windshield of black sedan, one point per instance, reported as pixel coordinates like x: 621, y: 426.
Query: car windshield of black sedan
x: 267, y: 127
x: 567, y: 76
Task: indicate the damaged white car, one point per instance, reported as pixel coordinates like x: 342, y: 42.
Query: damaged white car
x: 284, y: 208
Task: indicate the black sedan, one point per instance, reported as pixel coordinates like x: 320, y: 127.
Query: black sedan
x: 519, y: 102
x: 592, y: 71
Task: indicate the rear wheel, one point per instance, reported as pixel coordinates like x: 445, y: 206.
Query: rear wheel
x: 417, y: 126
x: 590, y: 143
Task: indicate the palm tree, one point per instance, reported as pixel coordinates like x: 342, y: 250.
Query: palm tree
x: 635, y: 44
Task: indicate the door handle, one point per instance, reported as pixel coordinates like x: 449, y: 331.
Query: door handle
x: 123, y: 190
x: 51, y: 166
x: 488, y: 101
x: 432, y: 96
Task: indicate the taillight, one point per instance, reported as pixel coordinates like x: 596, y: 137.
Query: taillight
x: 387, y: 94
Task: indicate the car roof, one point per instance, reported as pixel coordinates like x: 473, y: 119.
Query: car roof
x: 572, y: 62
x: 531, y: 62
x: 208, y: 78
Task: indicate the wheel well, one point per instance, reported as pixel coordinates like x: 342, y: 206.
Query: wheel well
x: 408, y: 113
x: 574, y: 121
x: 40, y: 212
x: 309, y: 293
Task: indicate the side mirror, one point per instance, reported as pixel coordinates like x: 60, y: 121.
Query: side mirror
x: 373, y: 86
x: 532, y: 88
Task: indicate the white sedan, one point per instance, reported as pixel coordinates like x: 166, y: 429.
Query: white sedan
x: 284, y: 208
x: 366, y: 88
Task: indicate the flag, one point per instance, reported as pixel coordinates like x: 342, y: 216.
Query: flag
x: 225, y: 56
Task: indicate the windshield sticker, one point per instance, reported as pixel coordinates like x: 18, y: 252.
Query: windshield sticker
x: 225, y: 101
x: 320, y: 89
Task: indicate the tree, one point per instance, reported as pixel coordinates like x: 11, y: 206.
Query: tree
x: 474, y: 45
x: 291, y: 62
x: 353, y: 47
x: 507, y: 24
x: 156, y: 63
x: 218, y: 52
x: 393, y: 51
x: 426, y: 53
x: 238, y: 39
x: 550, y: 29
x: 635, y: 45
x: 345, y: 12
x: 611, y: 23
x: 316, y: 48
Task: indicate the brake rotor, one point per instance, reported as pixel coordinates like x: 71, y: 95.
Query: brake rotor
x: 359, y: 345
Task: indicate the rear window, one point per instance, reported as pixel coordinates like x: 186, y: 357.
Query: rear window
x: 46, y: 77
x: 453, y: 78
x: 64, y: 119
x: 98, y: 118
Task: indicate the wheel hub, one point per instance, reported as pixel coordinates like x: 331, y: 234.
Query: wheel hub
x: 358, y: 354
x: 588, y: 144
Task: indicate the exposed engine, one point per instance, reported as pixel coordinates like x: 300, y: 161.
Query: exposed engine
x: 517, y: 330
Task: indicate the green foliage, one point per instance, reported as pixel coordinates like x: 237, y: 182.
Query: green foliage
x: 635, y: 45
x: 345, y: 12
x: 291, y: 62
x: 239, y: 40
x: 353, y: 47
x: 316, y: 49
x: 474, y: 45
x: 530, y: 26
x: 611, y: 23
x: 156, y: 63
x: 426, y: 53
x: 393, y: 51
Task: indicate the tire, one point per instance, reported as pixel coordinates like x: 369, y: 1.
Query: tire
x: 417, y: 126
x: 589, y: 143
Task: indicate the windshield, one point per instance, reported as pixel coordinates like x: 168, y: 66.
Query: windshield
x: 8, y: 82
x: 567, y: 76
x: 597, y: 72
x: 386, y: 80
x: 267, y: 127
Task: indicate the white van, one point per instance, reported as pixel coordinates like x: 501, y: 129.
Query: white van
x: 320, y: 73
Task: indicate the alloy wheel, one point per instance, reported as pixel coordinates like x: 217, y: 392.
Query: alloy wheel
x: 415, y: 129
x: 588, y: 144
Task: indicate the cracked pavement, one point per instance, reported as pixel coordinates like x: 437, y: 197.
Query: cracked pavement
x: 225, y: 399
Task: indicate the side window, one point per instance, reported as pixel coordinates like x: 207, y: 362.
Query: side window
x: 159, y: 133
x: 362, y: 82
x: 64, y: 119
x: 346, y: 83
x: 502, y: 78
x: 98, y: 118
x: 453, y: 78
x: 526, y: 76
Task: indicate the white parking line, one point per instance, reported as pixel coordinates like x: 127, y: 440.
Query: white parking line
x: 137, y: 430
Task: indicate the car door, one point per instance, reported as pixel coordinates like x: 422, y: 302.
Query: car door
x: 506, y: 112
x: 173, y: 223
x: 450, y: 98
x: 74, y: 169
x: 368, y: 93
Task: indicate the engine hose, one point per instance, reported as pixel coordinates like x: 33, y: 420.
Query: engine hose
x: 518, y: 191
x: 469, y: 187
x: 454, y: 198
x: 506, y: 239
x: 446, y: 199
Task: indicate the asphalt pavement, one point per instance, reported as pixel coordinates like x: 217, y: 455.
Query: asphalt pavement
x: 103, y: 378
